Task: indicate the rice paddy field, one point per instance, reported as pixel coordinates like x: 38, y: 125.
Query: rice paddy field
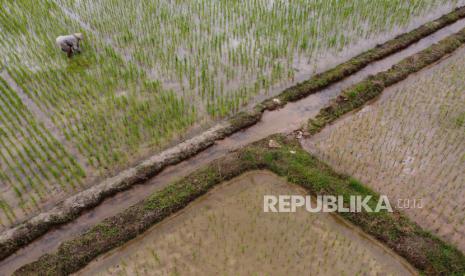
x: 226, y: 233
x: 153, y: 72
x: 410, y: 144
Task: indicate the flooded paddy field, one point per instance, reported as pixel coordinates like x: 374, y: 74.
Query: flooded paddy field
x: 138, y: 87
x: 409, y: 145
x: 226, y: 232
x: 287, y: 119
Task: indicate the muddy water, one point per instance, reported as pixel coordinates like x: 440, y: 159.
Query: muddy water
x: 227, y: 232
x: 287, y: 119
x: 389, y: 146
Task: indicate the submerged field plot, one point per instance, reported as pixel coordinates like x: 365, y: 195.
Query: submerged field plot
x: 226, y: 232
x: 152, y: 70
x: 153, y: 74
x: 410, y: 145
x: 212, y: 235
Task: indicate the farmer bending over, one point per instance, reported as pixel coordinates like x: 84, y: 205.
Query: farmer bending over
x: 69, y: 43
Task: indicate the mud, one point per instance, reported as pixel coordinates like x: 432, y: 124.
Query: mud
x: 427, y: 253
x: 400, y: 154
x: 368, y: 89
x: 227, y: 227
x: 13, y: 239
x: 43, y: 118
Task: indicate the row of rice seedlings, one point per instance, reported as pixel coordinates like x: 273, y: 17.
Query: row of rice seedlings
x: 215, y: 48
x: 114, y: 102
x: 117, y: 126
x: 7, y: 216
x: 411, y: 146
x: 214, y: 237
x: 55, y: 87
x: 100, y: 102
x: 34, y: 161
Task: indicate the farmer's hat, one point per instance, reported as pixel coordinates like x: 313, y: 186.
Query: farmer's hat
x: 79, y: 36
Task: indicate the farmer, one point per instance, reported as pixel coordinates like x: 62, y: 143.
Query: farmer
x: 69, y: 43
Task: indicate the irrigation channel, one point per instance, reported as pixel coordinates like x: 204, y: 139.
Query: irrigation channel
x: 285, y: 120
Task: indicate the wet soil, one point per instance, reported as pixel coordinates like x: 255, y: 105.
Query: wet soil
x: 228, y: 227
x: 287, y: 119
x: 414, y: 157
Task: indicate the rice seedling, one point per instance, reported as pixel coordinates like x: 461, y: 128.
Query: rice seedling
x: 150, y: 70
x: 96, y: 103
x: 223, y: 53
x: 33, y: 163
x: 227, y: 233
x: 410, y: 145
